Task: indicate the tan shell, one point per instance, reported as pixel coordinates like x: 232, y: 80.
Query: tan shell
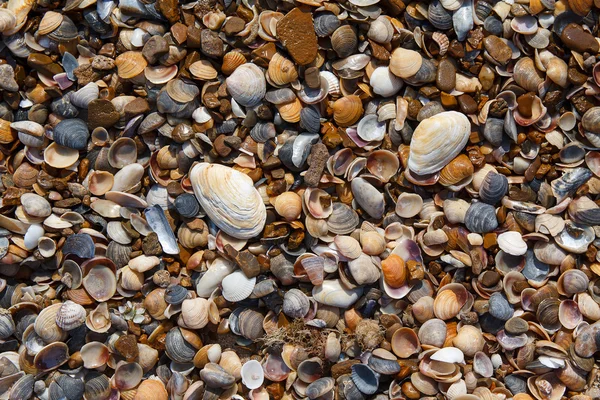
x: 288, y: 205
x: 231, y: 61
x: 405, y: 63
x: 58, y: 156
x: 281, y: 70
x: 347, y: 110
x: 45, y: 324
x: 130, y: 64
x: 449, y: 301
x: 7, y: 134
x: 437, y: 140
x: 290, y: 112
x: 204, y: 70
x: 100, y: 182
x: 50, y: 21
x: 458, y: 169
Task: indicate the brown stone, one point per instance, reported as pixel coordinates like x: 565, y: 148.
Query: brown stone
x: 233, y: 25
x: 211, y: 43
x: 136, y: 107
x: 43, y: 64
x: 220, y: 147
x: 489, y: 240
x: 379, y: 52
x: 445, y: 78
x: 498, y: 49
x: 102, y: 113
x: 155, y: 48
x: 168, y: 8
x: 248, y: 263
x: 151, y: 246
x: 179, y: 32
x: 467, y: 104
x: 103, y: 63
x: 317, y: 160
x: 193, y: 37
x: 456, y: 49
x: 575, y: 76
x: 343, y: 368
x: 12, y: 196
x: 297, y: 33
x: 67, y: 203
x: 127, y: 346
x: 575, y: 38
x: 448, y: 101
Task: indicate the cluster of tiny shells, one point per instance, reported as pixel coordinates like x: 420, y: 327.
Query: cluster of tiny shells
x: 291, y: 199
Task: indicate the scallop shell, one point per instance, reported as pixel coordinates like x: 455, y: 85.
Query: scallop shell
x: 237, y: 287
x: 247, y: 85
x: 347, y: 110
x: 437, y: 140
x: 231, y: 61
x: 204, y: 70
x: 70, y: 315
x: 230, y: 199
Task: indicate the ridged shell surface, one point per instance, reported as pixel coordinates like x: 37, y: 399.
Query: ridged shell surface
x: 437, y: 140
x: 237, y: 286
x: 230, y: 199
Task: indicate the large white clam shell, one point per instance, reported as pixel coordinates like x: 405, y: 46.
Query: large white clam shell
x: 237, y: 286
x: 230, y: 199
x: 437, y: 140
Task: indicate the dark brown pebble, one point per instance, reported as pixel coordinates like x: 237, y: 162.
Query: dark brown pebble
x: 445, y: 78
x: 168, y: 8
x: 220, y: 147
x: 248, y: 263
x: 155, y: 48
x: 379, y: 52
x: 297, y: 33
x: 67, y: 203
x: 575, y: 38
x: 524, y: 104
x: 127, y: 346
x: 102, y: 113
x: 136, y: 107
x: 193, y: 38
x: 85, y: 74
x: 43, y: 64
x: 317, y: 160
x: 343, y: 368
x: 575, y: 76
x: 211, y: 43
x: 456, y: 49
x: 151, y: 246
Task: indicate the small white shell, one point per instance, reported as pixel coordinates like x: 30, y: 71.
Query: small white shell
x: 237, y: 286
x: 450, y: 355
x: 512, y: 243
x: 247, y: 84
x: 253, y: 375
x: 370, y: 129
x: 385, y: 83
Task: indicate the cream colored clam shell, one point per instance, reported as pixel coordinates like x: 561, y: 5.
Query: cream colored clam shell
x: 437, y: 140
x: 230, y: 199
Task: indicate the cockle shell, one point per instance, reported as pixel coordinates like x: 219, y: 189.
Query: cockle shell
x: 247, y: 85
x: 230, y: 199
x: 237, y: 286
x: 437, y: 140
x: 405, y: 63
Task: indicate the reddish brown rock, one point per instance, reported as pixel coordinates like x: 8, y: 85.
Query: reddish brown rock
x: 317, y: 160
x: 168, y: 8
x: 297, y: 33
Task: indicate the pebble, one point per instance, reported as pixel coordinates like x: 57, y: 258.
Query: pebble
x: 211, y: 43
x: 297, y: 34
x: 446, y: 75
x: 155, y: 48
x: 575, y: 38
x: 168, y: 8
x: 317, y: 161
x: 136, y: 107
x: 233, y: 25
x: 467, y: 104
x: 102, y: 113
x: 179, y: 33
x: 43, y: 64
x: 127, y: 346
x: 7, y: 78
x: 151, y: 246
x: 103, y: 63
x: 498, y: 49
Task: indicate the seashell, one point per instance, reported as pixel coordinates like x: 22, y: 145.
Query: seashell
x: 237, y: 287
x: 231, y: 60
x: 383, y: 164
x: 151, y: 388
x: 50, y: 21
x: 342, y: 220
x: 310, y: 370
x: 122, y: 153
x: 178, y: 348
x: 365, y: 379
x: 481, y: 218
x: 459, y: 169
x: 204, y: 70
x: 405, y: 63
x: 310, y: 119
x: 295, y: 304
x: 381, y: 30
x: 8, y: 20
x: 175, y: 294
x: 247, y: 85
x: 157, y: 220
x: 215, y: 184
x: 281, y: 70
x: 252, y: 374
x: 405, y: 342
x: 512, y: 243
x: 433, y: 332
x: 288, y: 205
x: 51, y: 356
x: 250, y: 324
x: 589, y: 121
x: 344, y: 41
x: 130, y: 64
x: 384, y: 83
x: 7, y: 325
x: 194, y: 313
x: 182, y: 92
x: 569, y: 182
x: 348, y: 246
x: 99, y: 278
x: 499, y: 307
x: 127, y: 375
x: 160, y: 74
x: 333, y: 293
x: 98, y: 319
x: 347, y: 110
x: 45, y: 325
x: 70, y: 315
x: 493, y: 188
x: 575, y: 237
x: 409, y: 205
x: 439, y: 16
x: 22, y: 388
x: 97, y: 387
x: 100, y: 182
x: 187, y: 205
x: 363, y: 270
x: 84, y: 96
x: 449, y: 300
x: 394, y: 271
x: 526, y: 75
x: 72, y: 133
x: 368, y: 197
x: 325, y: 23
x: 320, y: 387
x: 430, y: 150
